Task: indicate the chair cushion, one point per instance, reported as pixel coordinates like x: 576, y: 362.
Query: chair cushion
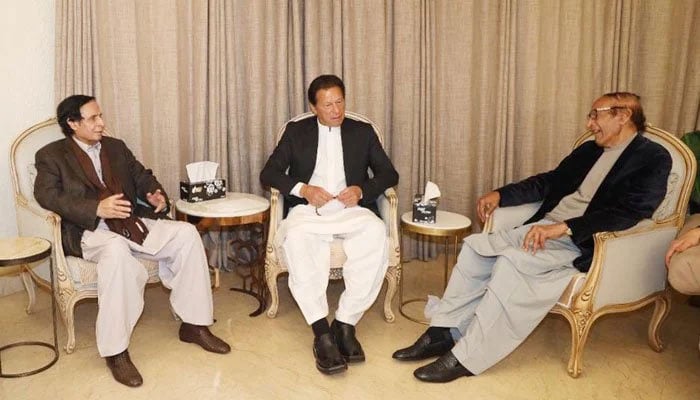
x: 338, y: 258
x: 84, y: 273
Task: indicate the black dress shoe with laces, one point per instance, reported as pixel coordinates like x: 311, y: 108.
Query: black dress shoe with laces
x: 426, y: 347
x: 350, y: 348
x: 328, y: 357
x: 445, y: 369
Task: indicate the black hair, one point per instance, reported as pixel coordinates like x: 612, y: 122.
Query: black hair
x: 69, y: 110
x: 324, y: 82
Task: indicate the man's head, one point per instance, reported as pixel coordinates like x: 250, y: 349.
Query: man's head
x: 327, y: 98
x: 81, y: 116
x: 615, y: 117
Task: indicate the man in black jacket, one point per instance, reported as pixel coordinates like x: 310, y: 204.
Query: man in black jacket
x: 320, y: 166
x: 505, y: 283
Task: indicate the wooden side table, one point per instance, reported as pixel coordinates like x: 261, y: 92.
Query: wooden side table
x: 451, y: 226
x: 25, y: 250
x: 233, y: 210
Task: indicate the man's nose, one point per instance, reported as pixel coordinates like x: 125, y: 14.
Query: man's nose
x: 589, y: 124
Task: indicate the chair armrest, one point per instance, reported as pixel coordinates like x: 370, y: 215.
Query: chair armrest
x: 627, y: 265
x: 276, y: 212
x: 509, y: 217
x: 388, y: 205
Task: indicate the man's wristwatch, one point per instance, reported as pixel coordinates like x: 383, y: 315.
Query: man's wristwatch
x: 568, y: 232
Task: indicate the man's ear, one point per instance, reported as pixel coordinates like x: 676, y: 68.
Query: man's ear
x: 72, y: 124
x: 624, y: 115
x: 313, y: 108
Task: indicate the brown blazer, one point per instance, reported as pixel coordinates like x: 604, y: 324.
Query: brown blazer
x: 62, y: 187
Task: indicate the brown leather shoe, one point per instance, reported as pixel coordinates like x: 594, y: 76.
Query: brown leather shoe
x: 124, y: 370
x: 202, y: 336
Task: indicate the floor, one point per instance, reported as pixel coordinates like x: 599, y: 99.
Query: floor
x: 272, y: 358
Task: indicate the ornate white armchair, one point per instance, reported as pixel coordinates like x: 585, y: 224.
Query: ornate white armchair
x: 628, y: 271
x: 388, y: 205
x: 75, y: 278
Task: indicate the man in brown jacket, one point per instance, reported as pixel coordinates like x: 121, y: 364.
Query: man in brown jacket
x: 113, y: 210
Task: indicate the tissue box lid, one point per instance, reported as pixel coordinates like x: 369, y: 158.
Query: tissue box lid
x: 193, y: 192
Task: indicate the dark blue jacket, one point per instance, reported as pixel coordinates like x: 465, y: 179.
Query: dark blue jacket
x: 631, y: 192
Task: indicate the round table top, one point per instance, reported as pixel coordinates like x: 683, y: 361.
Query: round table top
x: 21, y: 250
x: 233, y: 205
x: 446, y: 224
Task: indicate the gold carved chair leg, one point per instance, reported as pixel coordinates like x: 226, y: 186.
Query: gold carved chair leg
x: 392, y: 277
x: 662, y: 307
x: 580, y: 325
x: 67, y: 311
x: 271, y: 274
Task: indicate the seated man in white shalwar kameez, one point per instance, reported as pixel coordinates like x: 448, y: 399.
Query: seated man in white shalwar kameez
x: 320, y: 165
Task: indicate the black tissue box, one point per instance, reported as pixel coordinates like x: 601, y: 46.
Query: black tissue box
x: 425, y: 213
x: 193, y: 192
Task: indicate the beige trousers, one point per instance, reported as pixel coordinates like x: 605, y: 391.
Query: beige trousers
x: 121, y: 279
x: 684, y: 270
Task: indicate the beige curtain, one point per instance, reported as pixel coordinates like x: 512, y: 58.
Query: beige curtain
x: 469, y: 94
x: 153, y: 90
x: 77, y: 66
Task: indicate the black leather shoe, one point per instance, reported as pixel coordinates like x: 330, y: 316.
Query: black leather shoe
x: 424, y: 348
x: 445, y: 369
x: 350, y: 348
x: 123, y: 370
x: 202, y: 336
x: 328, y: 357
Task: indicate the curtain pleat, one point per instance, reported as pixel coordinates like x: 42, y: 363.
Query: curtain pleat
x: 77, y: 64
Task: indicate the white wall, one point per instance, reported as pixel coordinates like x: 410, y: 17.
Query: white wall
x: 27, y: 41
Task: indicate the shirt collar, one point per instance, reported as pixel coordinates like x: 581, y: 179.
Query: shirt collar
x: 86, y: 147
x: 325, y: 128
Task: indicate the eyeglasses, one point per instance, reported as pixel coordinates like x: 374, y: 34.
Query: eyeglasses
x: 593, y: 114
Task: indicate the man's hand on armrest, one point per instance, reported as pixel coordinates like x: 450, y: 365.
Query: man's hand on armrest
x: 486, y: 204
x: 685, y: 241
